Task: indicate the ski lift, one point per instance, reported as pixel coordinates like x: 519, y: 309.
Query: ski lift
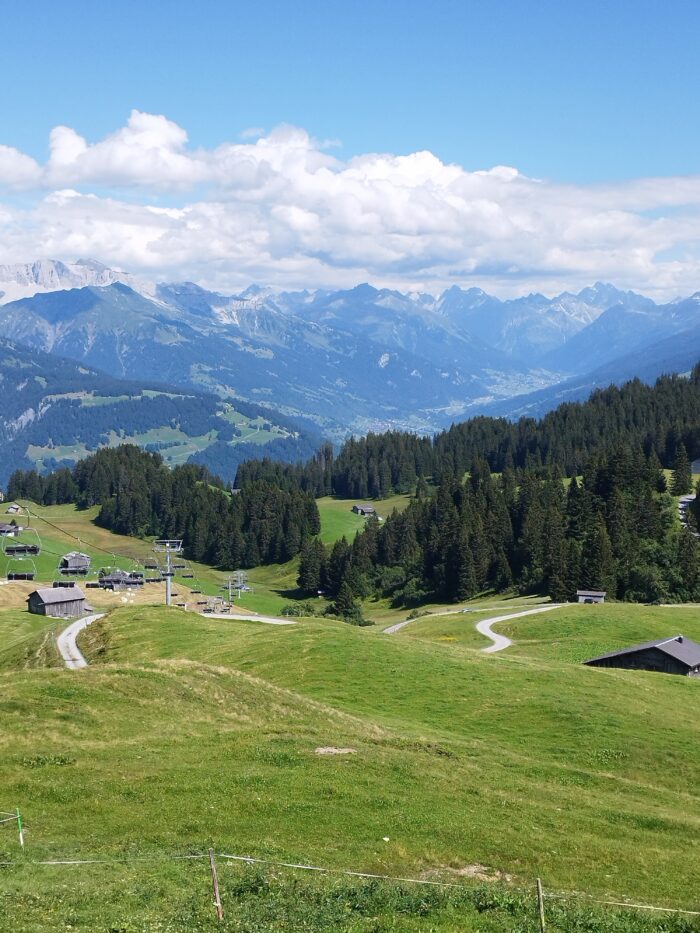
x: 26, y: 544
x: 20, y: 568
x: 113, y: 578
x: 20, y: 551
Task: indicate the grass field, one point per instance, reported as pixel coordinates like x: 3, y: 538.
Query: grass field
x: 188, y: 732
x: 338, y: 519
x: 486, y: 771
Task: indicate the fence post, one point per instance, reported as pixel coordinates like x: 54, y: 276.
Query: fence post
x: 215, y: 885
x: 19, y: 828
x: 540, y: 906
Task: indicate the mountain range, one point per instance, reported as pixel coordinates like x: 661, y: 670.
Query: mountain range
x: 54, y: 411
x: 352, y: 360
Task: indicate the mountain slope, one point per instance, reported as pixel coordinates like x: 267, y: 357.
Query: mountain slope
x: 533, y: 326
x: 373, y: 375
x: 622, y: 329
x: 675, y: 354
x: 54, y: 411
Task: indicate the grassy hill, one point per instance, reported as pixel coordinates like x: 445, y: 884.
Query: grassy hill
x: 485, y: 772
x: 188, y: 732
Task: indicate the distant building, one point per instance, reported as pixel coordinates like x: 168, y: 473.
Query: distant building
x: 58, y: 602
x: 13, y: 509
x: 74, y: 563
x: 119, y: 580
x: 9, y: 531
x: 590, y: 596
x: 364, y: 509
x: 677, y: 655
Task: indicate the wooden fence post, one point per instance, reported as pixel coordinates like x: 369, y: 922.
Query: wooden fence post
x: 215, y: 885
x: 540, y: 905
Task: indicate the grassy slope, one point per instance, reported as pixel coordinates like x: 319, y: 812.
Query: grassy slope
x: 338, y: 519
x: 547, y: 755
x: 171, y: 741
x: 523, y: 762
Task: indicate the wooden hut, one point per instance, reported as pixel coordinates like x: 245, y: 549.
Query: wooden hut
x: 677, y: 655
x: 58, y: 602
x: 590, y: 596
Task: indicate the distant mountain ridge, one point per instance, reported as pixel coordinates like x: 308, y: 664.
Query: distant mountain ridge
x: 353, y: 360
x: 54, y: 411
x: 23, y: 280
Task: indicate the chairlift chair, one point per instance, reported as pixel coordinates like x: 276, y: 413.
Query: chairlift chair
x: 20, y: 567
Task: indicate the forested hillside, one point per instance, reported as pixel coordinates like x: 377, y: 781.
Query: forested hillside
x: 139, y: 495
x: 467, y: 529
x: 54, y: 411
x: 654, y: 419
x: 615, y: 530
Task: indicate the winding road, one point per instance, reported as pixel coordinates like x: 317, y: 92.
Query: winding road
x: 67, y: 641
x: 500, y: 641
x: 483, y: 627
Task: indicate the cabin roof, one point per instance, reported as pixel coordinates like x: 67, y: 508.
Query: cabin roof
x: 591, y: 592
x: 684, y: 650
x: 58, y: 594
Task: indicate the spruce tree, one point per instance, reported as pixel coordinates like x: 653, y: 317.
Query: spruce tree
x: 597, y: 562
x: 311, y: 565
x: 681, y: 478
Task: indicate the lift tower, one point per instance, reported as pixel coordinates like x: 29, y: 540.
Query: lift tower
x: 168, y: 546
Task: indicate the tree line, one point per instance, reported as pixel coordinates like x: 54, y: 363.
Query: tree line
x: 614, y: 529
x: 656, y: 419
x: 138, y: 495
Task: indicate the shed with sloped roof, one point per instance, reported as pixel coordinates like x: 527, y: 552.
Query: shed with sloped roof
x: 676, y: 655
x: 58, y: 602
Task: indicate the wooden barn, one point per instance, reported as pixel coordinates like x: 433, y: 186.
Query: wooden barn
x: 364, y: 508
x: 677, y: 655
x: 58, y: 602
x: 590, y: 596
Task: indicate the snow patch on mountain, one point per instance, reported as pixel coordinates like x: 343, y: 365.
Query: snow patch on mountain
x: 24, y: 280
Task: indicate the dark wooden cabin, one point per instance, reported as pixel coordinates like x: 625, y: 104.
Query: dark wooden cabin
x: 677, y: 655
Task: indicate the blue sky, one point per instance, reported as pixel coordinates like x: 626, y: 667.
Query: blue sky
x: 516, y: 146
x: 573, y: 91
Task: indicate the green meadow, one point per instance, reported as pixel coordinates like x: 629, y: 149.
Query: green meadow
x: 411, y: 755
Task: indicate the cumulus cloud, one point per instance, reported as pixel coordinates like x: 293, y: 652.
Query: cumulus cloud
x: 280, y: 209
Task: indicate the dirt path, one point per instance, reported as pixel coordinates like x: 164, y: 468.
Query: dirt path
x: 267, y: 620
x: 398, y: 626
x: 500, y: 641
x: 67, y: 641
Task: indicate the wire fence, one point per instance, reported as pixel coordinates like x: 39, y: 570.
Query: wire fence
x: 325, y: 870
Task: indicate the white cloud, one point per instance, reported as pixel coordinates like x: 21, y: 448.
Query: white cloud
x: 280, y: 209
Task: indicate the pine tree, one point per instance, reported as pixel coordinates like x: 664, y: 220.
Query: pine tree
x: 346, y: 606
x: 311, y: 564
x: 597, y: 562
x: 681, y: 478
x: 461, y: 581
